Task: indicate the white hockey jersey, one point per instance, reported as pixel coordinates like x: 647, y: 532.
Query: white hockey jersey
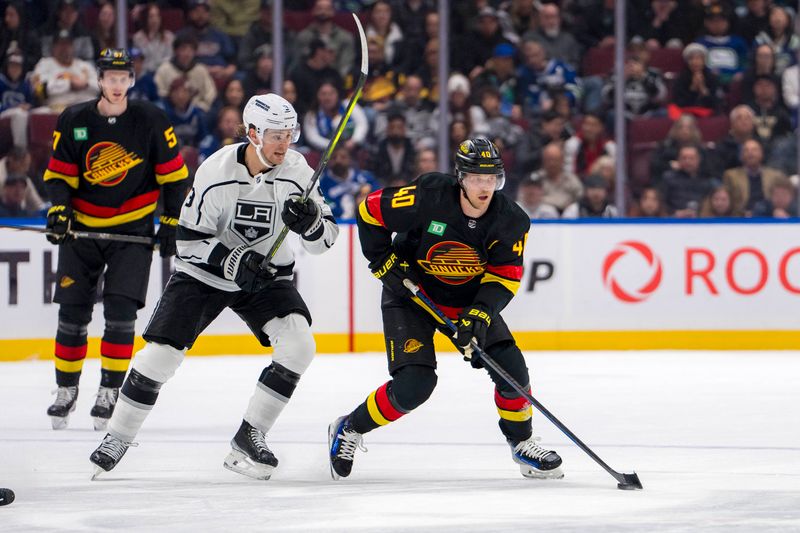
x: 228, y: 208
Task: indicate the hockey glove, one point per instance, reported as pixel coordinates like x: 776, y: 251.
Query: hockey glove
x: 243, y: 267
x: 60, y: 219
x: 473, y: 323
x: 166, y: 236
x: 303, y: 218
x: 392, y: 270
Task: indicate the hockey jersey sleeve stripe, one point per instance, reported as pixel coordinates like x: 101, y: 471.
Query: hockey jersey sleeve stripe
x: 100, y: 211
x: 299, y: 188
x: 512, y: 286
x: 512, y: 272
x: 72, y: 181
x: 363, y: 212
x: 373, y: 202
x: 62, y: 167
x: 176, y: 163
x: 180, y: 174
x: 105, y: 222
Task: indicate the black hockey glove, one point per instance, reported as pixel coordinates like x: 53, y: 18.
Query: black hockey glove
x: 473, y: 323
x: 60, y: 219
x: 166, y: 236
x: 392, y: 270
x: 243, y: 267
x: 303, y: 218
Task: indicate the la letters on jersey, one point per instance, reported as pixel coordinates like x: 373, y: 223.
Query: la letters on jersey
x: 253, y: 220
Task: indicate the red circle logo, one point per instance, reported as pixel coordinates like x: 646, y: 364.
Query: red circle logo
x: 622, y: 292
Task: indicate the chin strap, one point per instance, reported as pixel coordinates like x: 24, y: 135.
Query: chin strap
x: 260, y: 155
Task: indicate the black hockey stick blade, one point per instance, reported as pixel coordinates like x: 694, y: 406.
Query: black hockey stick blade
x: 625, y: 481
x: 326, y: 155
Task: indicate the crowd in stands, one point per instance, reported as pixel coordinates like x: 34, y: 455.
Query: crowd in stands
x: 710, y: 93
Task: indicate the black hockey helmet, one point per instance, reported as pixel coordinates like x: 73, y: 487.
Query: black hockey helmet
x: 114, y: 59
x: 479, y: 156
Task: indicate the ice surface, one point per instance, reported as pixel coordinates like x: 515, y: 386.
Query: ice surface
x: 714, y: 437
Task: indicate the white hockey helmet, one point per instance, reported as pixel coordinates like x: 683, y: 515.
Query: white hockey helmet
x: 270, y: 112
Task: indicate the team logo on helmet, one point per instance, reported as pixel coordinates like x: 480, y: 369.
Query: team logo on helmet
x: 452, y: 262
x: 107, y: 163
x: 464, y: 147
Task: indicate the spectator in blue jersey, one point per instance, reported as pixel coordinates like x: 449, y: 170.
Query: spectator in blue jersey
x: 780, y: 36
x: 321, y: 121
x: 499, y: 74
x: 394, y: 157
x: 224, y: 132
x: 188, y: 120
x: 145, y: 86
x: 539, y: 77
x: 345, y: 186
x: 727, y: 53
x: 215, y: 49
x: 16, y: 97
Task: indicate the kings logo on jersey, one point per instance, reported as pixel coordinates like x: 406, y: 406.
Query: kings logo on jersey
x: 452, y: 262
x: 107, y: 163
x: 253, y: 220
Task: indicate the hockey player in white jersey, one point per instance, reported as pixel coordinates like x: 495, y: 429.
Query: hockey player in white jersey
x: 242, y: 197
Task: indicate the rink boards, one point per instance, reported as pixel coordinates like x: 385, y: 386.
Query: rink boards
x: 585, y: 286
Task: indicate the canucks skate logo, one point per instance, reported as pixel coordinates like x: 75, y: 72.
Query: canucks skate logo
x: 108, y: 163
x: 253, y: 221
x: 452, y: 262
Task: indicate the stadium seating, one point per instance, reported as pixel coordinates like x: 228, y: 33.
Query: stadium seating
x: 6, y: 140
x: 713, y: 128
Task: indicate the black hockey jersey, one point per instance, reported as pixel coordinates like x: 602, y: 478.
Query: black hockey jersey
x: 459, y: 260
x: 110, y: 169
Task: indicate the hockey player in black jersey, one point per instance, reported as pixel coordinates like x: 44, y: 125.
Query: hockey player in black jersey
x: 243, y: 196
x: 463, y: 245
x: 111, y: 161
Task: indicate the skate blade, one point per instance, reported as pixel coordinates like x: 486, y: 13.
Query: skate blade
x: 59, y: 422
x: 332, y: 435
x: 241, y: 464
x: 100, y: 424
x: 97, y: 472
x: 532, y: 473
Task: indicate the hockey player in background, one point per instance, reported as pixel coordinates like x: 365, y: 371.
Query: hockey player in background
x: 463, y: 245
x: 242, y: 197
x: 111, y: 160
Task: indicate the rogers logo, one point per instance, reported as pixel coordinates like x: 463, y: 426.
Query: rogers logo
x: 626, y: 294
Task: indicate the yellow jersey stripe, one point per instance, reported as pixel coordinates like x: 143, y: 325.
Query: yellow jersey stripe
x: 98, y: 222
x: 516, y: 416
x: 69, y: 366
x: 374, y: 412
x: 72, y: 181
x: 512, y: 286
x: 181, y: 173
x: 365, y: 216
x: 114, y: 365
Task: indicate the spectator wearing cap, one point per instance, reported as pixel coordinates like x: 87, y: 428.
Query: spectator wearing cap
x: 751, y: 182
x: 17, y: 163
x: 259, y: 34
x: 478, y: 45
x: 308, y: 75
x: 63, y: 79
x: 561, y: 188
x: 12, y: 197
x: 780, y: 203
x: 540, y: 78
x: 772, y: 119
x: 394, y: 158
x: 685, y: 187
x: 381, y: 24
x: 338, y: 40
x: 343, y: 185
x: 587, y: 145
x: 104, y: 33
x: 696, y: 89
x: 779, y: 35
x: 16, y: 97
x: 500, y: 74
x: 184, y: 63
x: 17, y: 34
x: 557, y: 43
x: 322, y: 119
x: 66, y: 18
x: 594, y: 203
x: 258, y: 78
x: 189, y: 121
x: 145, y: 86
x: 153, y: 39
x: 215, y: 49
x: 530, y: 197
x: 726, y: 53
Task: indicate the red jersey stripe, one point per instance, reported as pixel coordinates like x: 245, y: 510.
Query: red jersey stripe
x: 71, y: 353
x: 507, y: 271
x: 170, y: 166
x: 133, y: 204
x: 116, y: 351
x: 374, y: 206
x: 68, y: 169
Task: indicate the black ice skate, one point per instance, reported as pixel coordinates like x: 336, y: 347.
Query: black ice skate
x: 534, y: 461
x: 249, y: 454
x: 63, y: 406
x: 104, y: 407
x: 108, y: 454
x: 342, y: 443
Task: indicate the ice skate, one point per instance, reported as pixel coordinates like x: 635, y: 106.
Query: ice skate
x: 108, y: 454
x: 342, y: 443
x: 534, y: 461
x: 250, y: 455
x: 63, y: 406
x: 104, y: 407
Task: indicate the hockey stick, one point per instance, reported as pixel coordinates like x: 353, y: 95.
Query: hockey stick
x: 625, y: 481
x: 362, y: 79
x: 137, y: 239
